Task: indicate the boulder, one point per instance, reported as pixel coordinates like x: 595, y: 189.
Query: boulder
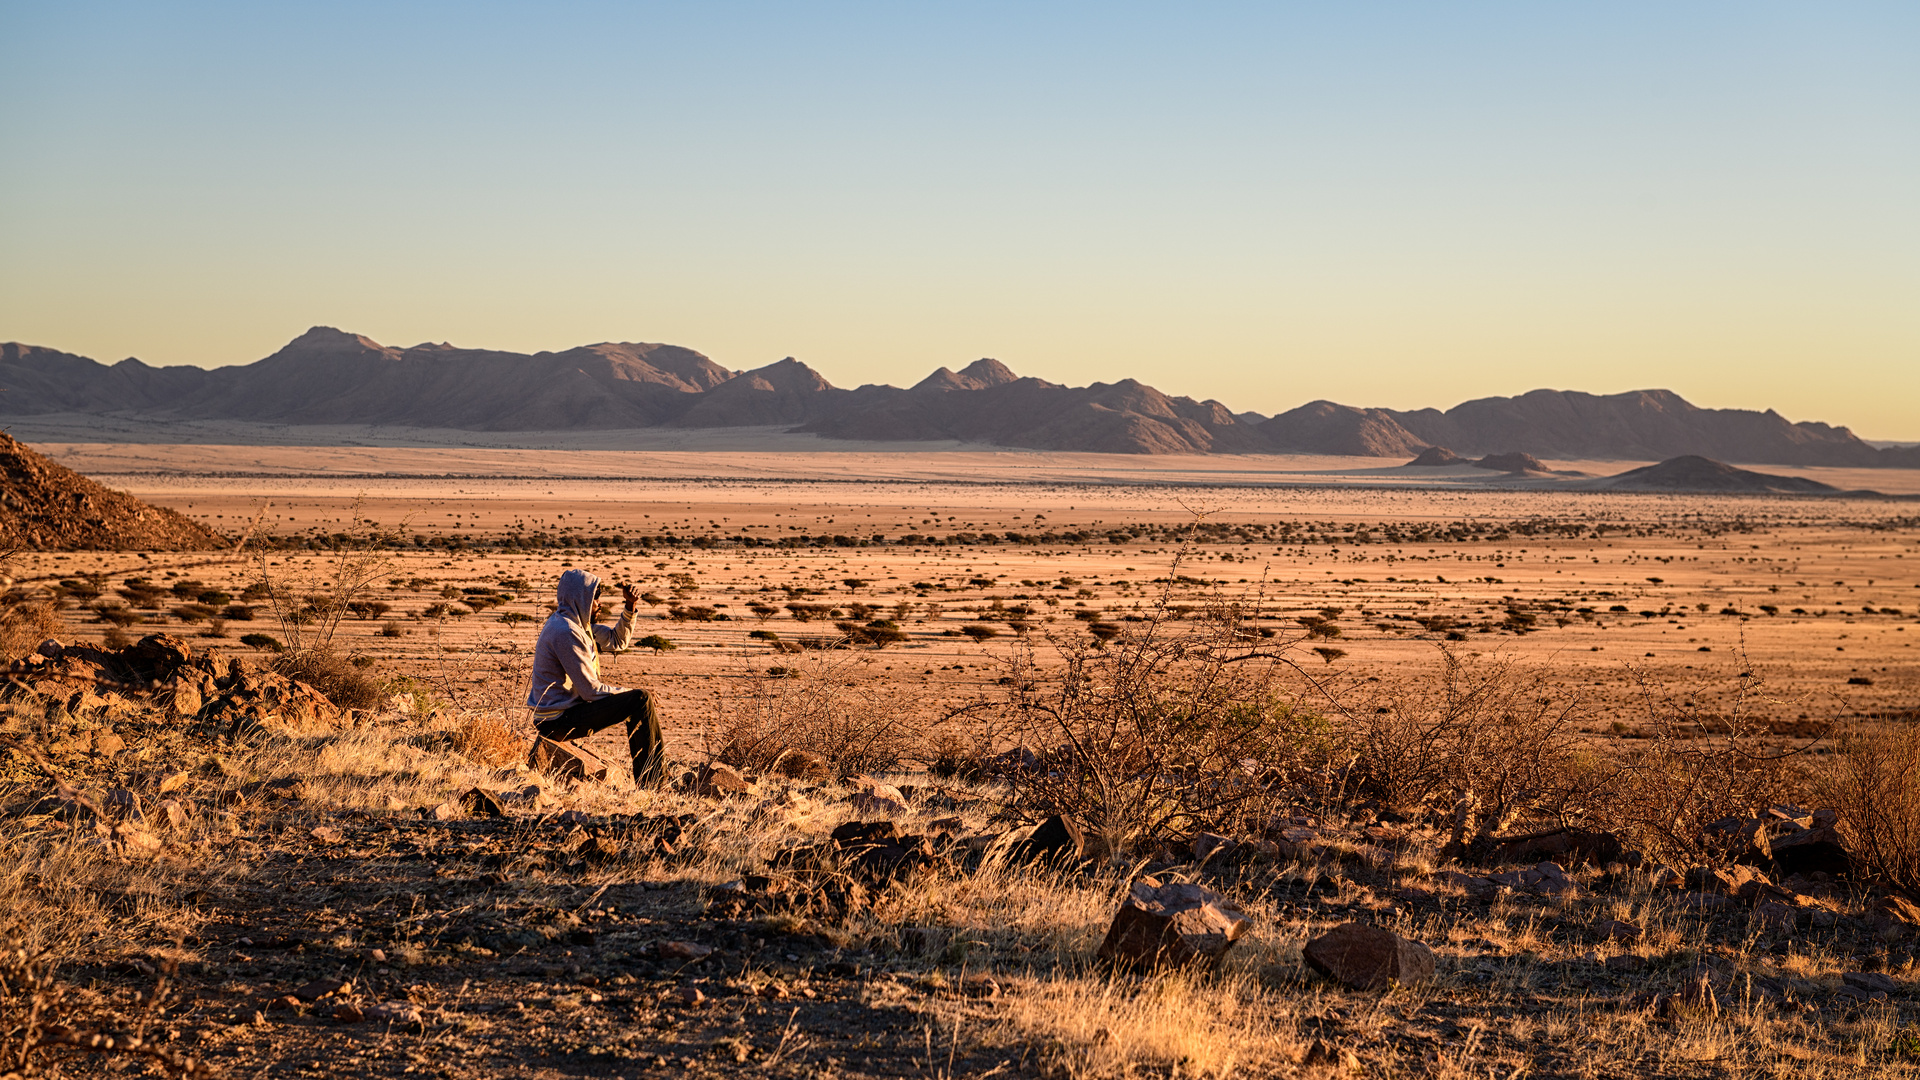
x: 867, y: 785
x: 1054, y: 841
x: 715, y: 780
x: 1363, y: 957
x: 1894, y: 918
x: 478, y: 800
x: 1211, y: 845
x: 1568, y: 846
x: 1172, y: 924
x: 565, y: 760
x: 876, y: 806
x: 1811, y: 851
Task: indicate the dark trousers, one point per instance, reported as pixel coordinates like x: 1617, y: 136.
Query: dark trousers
x: 635, y: 709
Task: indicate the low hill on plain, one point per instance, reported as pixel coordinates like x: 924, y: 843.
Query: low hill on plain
x: 1694, y: 473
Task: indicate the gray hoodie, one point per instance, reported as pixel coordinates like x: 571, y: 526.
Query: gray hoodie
x: 566, y: 658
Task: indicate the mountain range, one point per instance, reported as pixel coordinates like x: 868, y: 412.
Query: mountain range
x: 327, y: 376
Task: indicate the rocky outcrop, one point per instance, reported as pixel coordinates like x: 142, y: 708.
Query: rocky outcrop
x: 164, y: 673
x: 46, y: 506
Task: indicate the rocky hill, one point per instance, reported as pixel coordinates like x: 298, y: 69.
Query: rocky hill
x: 45, y: 506
x: 327, y: 376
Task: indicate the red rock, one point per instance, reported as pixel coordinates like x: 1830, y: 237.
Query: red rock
x: 683, y: 950
x: 1055, y: 840
x: 1172, y: 924
x: 320, y: 988
x: 715, y: 780
x: 1365, y: 957
x: 1894, y: 917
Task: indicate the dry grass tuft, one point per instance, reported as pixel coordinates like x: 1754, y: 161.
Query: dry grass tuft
x: 489, y: 737
x: 1874, y: 785
x: 1191, y: 1025
x: 816, y: 705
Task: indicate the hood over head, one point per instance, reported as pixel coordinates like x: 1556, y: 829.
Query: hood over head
x: 577, y: 592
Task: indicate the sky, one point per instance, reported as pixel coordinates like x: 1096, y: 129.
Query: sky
x: 1383, y: 204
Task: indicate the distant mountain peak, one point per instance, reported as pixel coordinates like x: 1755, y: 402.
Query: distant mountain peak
x: 979, y: 375
x: 330, y: 376
x: 988, y: 372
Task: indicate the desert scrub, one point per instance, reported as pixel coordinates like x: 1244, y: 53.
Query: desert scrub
x: 1873, y: 783
x: 1161, y: 732
x: 815, y: 706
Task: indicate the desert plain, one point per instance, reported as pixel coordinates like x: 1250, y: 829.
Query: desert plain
x: 379, y: 922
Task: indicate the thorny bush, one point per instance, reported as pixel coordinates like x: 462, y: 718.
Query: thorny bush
x: 1482, y: 731
x: 1162, y: 730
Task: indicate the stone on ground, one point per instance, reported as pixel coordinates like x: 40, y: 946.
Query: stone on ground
x: 1172, y: 924
x: 1363, y: 957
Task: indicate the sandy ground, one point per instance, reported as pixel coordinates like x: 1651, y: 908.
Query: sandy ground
x: 1646, y: 601
x: 114, y: 446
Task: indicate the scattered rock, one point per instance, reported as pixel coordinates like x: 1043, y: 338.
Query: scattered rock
x: 481, y: 801
x: 876, y: 806
x: 326, y: 834
x: 1172, y: 924
x: 1870, y: 981
x: 1207, y: 845
x: 716, y: 780
x: 1626, y: 964
x: 1325, y: 1057
x: 172, y: 782
x: 1054, y: 841
x: 1363, y: 957
x: 320, y: 988
x: 348, y: 1013
x: 689, y: 995
x: 683, y: 950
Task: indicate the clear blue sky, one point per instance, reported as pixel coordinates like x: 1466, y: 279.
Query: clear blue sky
x: 1384, y: 204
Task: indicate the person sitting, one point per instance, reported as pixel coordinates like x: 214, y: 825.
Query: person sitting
x: 568, y: 698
